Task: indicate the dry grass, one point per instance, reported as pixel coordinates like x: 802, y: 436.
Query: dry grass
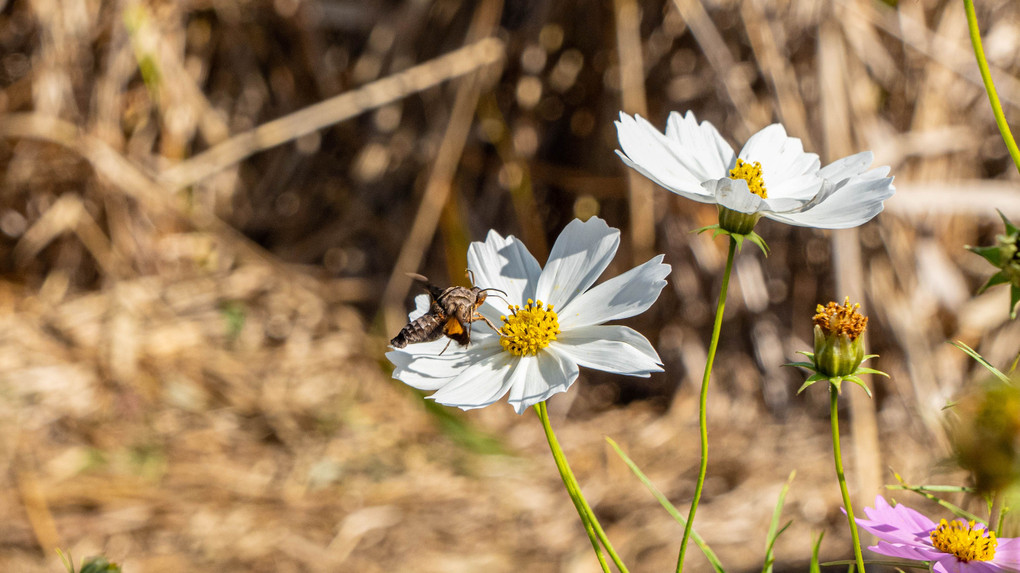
x: 207, y: 210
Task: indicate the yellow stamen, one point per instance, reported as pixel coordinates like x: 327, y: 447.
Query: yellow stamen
x: 964, y: 541
x: 841, y: 319
x: 750, y: 172
x: 530, y: 329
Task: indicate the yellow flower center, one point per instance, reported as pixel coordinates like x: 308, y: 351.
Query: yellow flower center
x: 964, y: 541
x: 841, y: 319
x: 750, y: 172
x: 530, y: 329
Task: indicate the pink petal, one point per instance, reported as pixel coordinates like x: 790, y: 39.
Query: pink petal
x: 905, y: 551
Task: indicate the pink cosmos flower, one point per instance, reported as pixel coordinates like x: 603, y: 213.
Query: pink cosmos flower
x: 950, y: 547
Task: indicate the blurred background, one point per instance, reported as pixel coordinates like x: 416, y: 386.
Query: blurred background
x: 207, y: 209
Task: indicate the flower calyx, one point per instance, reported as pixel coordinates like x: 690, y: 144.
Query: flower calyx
x: 750, y: 235
x: 1005, y: 256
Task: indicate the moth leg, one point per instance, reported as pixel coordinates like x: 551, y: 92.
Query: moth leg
x: 479, y: 316
x: 448, y: 341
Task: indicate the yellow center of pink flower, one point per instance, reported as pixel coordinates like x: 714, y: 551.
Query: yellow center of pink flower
x: 750, y: 172
x: 530, y: 329
x: 965, y: 541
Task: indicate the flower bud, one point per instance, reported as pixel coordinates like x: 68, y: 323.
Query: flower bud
x: 839, y: 346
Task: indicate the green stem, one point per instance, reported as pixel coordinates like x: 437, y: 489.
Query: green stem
x: 702, y: 407
x: 591, y: 524
x: 986, y: 76
x: 838, y: 457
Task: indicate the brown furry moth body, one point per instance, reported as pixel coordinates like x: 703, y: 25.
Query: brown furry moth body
x: 451, y: 313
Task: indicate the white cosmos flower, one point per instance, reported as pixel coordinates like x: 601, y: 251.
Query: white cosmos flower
x: 694, y: 161
x: 545, y: 341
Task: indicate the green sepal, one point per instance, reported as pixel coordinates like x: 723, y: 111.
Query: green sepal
x: 863, y: 370
x: 836, y: 381
x: 738, y: 237
x: 994, y: 280
x: 992, y: 254
x: 1010, y: 227
x: 703, y: 229
x: 1014, y: 298
x: 811, y: 380
x: 760, y: 242
x: 860, y: 383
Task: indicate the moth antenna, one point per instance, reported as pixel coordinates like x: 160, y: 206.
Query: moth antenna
x: 505, y: 301
x: 493, y: 288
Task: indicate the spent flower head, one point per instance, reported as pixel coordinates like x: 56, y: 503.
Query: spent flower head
x: 839, y: 346
x: 771, y: 177
x: 551, y: 322
x: 1005, y: 256
x: 986, y: 436
x: 956, y: 546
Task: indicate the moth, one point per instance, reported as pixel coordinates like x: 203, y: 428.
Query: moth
x: 451, y: 313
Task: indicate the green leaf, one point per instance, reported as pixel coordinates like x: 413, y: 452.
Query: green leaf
x: 769, y: 558
x: 668, y: 506
x: 67, y: 560
x: 981, y: 360
x: 773, y: 534
x: 814, y: 554
x: 895, y: 563
x: 923, y: 490
x: 99, y: 565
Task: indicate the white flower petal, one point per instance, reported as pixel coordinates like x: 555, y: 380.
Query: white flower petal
x: 699, y: 147
x: 845, y: 168
x: 786, y: 169
x: 422, y: 303
x: 547, y: 373
x: 619, y: 297
x: 687, y: 190
x: 801, y: 187
x: 581, y: 252
x: 657, y: 157
x: 505, y: 264
x: 423, y: 367
x: 611, y: 348
x: 856, y: 202
x: 734, y: 194
x: 480, y: 384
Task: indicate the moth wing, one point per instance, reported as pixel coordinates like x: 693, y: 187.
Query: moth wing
x: 455, y: 330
